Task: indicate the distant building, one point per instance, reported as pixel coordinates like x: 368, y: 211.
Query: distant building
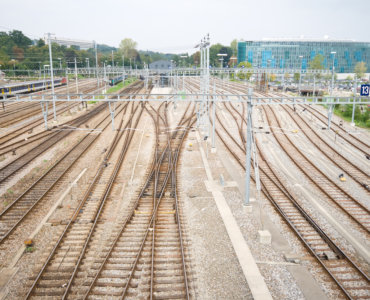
x: 285, y: 53
x: 161, y: 64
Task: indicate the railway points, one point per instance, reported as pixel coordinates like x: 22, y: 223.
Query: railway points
x: 125, y: 195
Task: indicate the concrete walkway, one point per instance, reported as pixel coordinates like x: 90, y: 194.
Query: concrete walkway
x: 251, y: 272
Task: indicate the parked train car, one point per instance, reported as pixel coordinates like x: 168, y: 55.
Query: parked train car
x: 27, y: 87
x: 114, y: 81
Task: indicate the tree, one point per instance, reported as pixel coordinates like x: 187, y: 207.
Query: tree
x: 196, y: 58
x: 18, y: 53
x: 216, y: 49
x: 245, y: 65
x: 360, y: 69
x: 127, y: 47
x: 20, y: 39
x: 40, y: 43
x: 317, y: 63
x: 296, y: 77
x: 234, y: 46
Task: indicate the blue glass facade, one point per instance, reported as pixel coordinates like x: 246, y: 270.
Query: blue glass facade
x: 286, y: 54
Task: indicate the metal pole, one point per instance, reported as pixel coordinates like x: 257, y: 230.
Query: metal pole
x: 112, y: 60
x: 88, y: 65
x: 354, y: 101
x: 67, y: 81
x: 330, y: 113
x: 76, y: 75
x: 314, y: 86
x: 249, y: 148
x: 52, y: 77
x: 105, y: 79
x: 96, y: 64
x: 214, y: 118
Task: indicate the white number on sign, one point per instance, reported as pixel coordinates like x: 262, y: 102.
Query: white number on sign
x: 365, y: 90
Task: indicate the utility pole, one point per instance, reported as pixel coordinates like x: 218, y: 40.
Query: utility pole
x: 354, y: 101
x: 88, y: 65
x: 112, y: 60
x: 52, y: 76
x: 214, y: 119
x: 123, y: 69
x: 249, y: 148
x: 96, y: 63
x: 76, y: 75
x: 330, y: 112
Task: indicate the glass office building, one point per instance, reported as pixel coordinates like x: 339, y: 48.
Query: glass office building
x: 297, y: 53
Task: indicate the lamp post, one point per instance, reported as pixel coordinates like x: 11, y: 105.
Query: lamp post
x: 300, y: 76
x: 60, y: 63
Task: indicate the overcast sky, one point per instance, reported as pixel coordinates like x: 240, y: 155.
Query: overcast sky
x: 176, y: 26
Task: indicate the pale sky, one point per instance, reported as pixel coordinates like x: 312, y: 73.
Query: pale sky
x: 177, y: 26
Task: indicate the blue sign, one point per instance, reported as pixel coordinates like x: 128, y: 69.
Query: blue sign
x: 365, y: 89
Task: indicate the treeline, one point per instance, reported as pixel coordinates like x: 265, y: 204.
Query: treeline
x: 19, y: 52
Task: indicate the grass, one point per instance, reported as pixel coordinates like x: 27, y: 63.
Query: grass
x: 116, y: 88
x: 73, y: 77
x: 29, y: 249
x: 361, y: 118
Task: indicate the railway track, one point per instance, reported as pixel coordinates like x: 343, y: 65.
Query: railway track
x: 360, y: 145
x: 73, y: 242
x: 352, y: 282
x: 47, y: 141
x: 16, y: 212
x: 348, y: 204
x: 29, y: 124
x: 26, y: 110
x: 11, y: 168
x: 354, y: 209
x: 121, y: 268
x: 355, y: 172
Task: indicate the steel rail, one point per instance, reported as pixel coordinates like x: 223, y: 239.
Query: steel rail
x: 332, y: 245
x: 97, y: 176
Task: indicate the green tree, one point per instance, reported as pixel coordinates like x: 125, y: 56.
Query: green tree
x: 127, y: 47
x: 40, y: 43
x: 219, y: 49
x: 245, y: 75
x: 234, y: 46
x: 296, y: 77
x: 360, y: 69
x: 317, y: 63
x: 20, y: 39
